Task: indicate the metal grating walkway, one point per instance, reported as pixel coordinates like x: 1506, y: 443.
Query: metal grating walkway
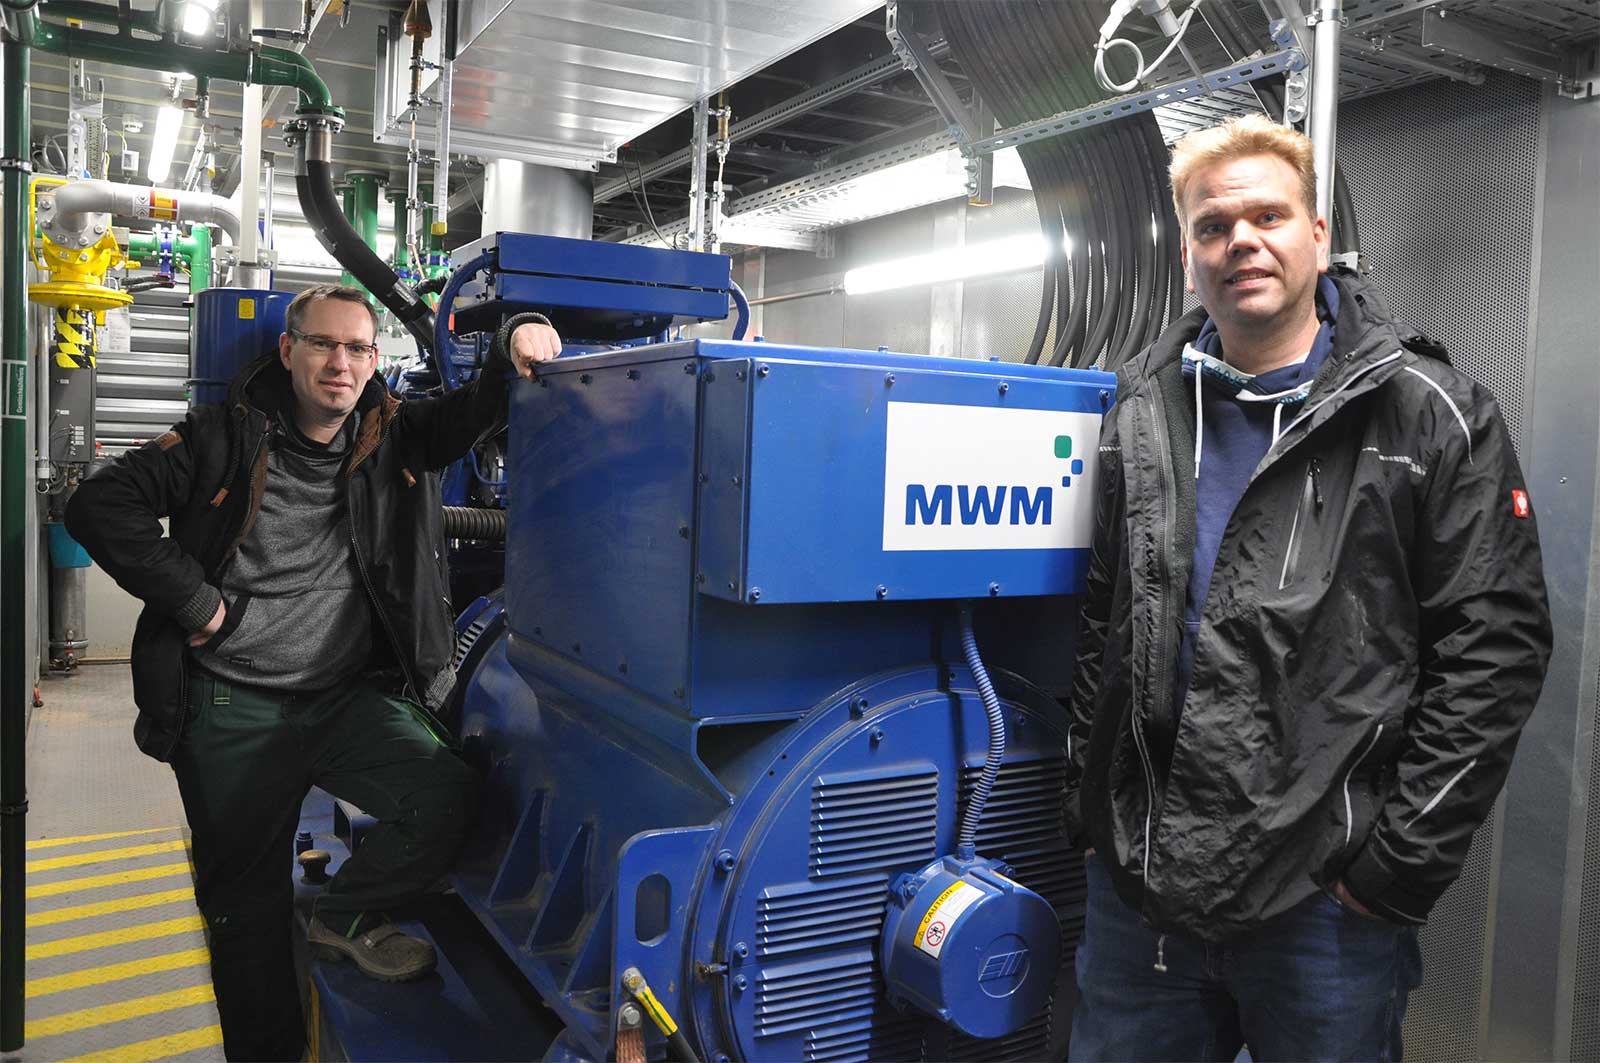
x: 117, y: 967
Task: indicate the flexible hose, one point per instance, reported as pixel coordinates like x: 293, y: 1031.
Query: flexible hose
x: 470, y: 522
x: 742, y: 304
x: 442, y: 343
x: 967, y: 840
x: 314, y: 186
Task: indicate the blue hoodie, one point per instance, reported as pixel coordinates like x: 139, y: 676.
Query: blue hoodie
x: 1238, y: 418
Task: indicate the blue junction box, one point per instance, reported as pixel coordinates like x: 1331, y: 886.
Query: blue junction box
x: 678, y: 485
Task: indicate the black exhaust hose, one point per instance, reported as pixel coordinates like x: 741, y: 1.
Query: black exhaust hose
x: 322, y: 210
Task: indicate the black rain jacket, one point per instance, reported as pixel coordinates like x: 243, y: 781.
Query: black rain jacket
x: 1375, y: 636
x: 207, y: 474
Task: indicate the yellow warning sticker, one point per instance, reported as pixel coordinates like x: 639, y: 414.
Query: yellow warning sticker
x: 247, y: 309
x: 942, y: 915
x: 163, y: 207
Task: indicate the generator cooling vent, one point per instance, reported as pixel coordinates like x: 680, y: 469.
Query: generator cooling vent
x: 1022, y: 824
x: 815, y: 994
x: 1030, y: 1042
x: 870, y: 822
x: 469, y: 637
x: 799, y: 916
x: 885, y: 1036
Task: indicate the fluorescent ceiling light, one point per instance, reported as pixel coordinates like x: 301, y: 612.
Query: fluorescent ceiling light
x: 199, y: 16
x: 163, y: 143
x: 955, y: 263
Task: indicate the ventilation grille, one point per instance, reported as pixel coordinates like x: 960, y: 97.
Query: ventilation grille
x: 874, y: 823
x: 1030, y: 1042
x: 892, y: 1037
x: 469, y: 638
x: 1022, y: 824
x: 816, y: 994
x: 798, y: 917
x: 1467, y: 154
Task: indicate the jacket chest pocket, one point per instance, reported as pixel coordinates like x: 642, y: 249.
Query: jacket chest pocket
x: 1307, y: 504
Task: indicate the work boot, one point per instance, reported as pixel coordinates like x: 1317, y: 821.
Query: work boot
x: 382, y: 952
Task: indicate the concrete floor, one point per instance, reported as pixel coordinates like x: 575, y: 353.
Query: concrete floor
x: 117, y: 966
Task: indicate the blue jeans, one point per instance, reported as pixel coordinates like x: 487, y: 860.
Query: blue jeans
x: 1319, y: 982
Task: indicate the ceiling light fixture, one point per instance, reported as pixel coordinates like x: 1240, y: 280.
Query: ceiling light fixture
x: 169, y: 120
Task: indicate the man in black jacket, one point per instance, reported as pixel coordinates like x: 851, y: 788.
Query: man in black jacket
x: 1314, y: 626
x: 306, y: 551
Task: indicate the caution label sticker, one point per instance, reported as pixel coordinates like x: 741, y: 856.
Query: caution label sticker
x: 163, y: 208
x: 946, y: 909
x: 247, y: 309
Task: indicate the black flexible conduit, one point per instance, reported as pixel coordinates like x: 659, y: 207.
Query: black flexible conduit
x: 468, y: 522
x: 1104, y: 188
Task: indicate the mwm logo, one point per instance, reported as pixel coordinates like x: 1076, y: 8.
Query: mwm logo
x: 982, y: 504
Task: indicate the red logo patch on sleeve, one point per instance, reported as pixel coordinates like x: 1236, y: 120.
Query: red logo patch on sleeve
x: 1519, y: 504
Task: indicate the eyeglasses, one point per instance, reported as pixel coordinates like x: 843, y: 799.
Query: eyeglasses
x: 326, y: 345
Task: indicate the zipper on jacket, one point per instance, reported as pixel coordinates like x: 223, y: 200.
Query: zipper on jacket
x: 1309, y: 496
x: 1163, y: 629
x: 372, y: 595
x: 1349, y: 815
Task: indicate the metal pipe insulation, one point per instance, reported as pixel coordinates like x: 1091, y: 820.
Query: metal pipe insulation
x: 468, y: 522
x: 78, y: 198
x: 312, y: 136
x: 1323, y: 121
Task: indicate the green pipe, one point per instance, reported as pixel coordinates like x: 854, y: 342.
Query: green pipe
x: 15, y: 500
x: 347, y: 200
x: 402, y: 253
x: 199, y: 259
x: 106, y: 15
x: 262, y: 66
x: 361, y: 206
x: 194, y: 250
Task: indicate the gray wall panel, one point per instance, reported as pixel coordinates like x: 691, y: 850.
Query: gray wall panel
x: 1545, y: 993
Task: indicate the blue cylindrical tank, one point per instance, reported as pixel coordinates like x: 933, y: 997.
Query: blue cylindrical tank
x: 231, y: 328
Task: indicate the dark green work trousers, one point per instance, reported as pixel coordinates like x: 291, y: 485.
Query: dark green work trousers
x: 247, y: 758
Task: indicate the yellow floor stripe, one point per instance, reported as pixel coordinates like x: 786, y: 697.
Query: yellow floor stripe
x: 116, y: 878
x: 121, y: 904
x: 71, y: 1021
x: 103, y: 855
x: 155, y: 1048
x: 116, y: 972
x: 56, y: 843
x: 84, y: 942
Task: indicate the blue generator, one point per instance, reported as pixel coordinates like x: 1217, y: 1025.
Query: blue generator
x: 768, y: 708
x: 768, y: 711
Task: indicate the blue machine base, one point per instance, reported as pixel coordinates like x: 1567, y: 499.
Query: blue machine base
x: 473, y: 1007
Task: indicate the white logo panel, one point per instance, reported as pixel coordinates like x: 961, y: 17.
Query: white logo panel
x: 977, y: 478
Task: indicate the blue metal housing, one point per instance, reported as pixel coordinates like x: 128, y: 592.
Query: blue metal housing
x: 957, y: 926
x: 717, y: 786
x: 231, y: 327
x: 594, y: 290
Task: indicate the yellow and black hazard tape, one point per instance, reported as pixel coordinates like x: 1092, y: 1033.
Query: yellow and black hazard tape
x: 75, y: 338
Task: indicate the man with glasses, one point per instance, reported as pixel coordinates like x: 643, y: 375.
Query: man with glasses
x: 305, y: 561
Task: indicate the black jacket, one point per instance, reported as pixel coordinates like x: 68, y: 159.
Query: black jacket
x: 1375, y: 636
x: 207, y: 475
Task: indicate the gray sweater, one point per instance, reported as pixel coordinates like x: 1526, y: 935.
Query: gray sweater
x: 298, y: 617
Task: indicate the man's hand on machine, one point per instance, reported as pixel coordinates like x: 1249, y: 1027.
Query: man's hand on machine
x: 533, y: 343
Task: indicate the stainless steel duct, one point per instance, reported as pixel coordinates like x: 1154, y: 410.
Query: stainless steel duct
x: 520, y: 197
